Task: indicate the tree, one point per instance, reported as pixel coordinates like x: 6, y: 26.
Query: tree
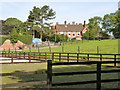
x: 10, y: 23
x: 111, y: 23
x: 39, y: 16
x: 90, y: 34
x: 14, y: 36
x: 94, y: 24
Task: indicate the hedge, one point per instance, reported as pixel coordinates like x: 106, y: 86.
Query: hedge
x: 26, y: 39
x: 3, y: 38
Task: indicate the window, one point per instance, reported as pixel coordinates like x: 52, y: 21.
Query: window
x: 61, y: 32
x: 64, y: 33
x: 73, y: 33
x: 69, y: 34
x: 78, y: 34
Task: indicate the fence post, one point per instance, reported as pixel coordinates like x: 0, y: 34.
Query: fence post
x: 34, y: 55
x: 15, y: 49
x: 62, y: 49
x: 77, y: 57
x: 2, y: 53
x: 24, y: 55
x: 19, y: 54
x: 38, y: 49
x: 100, y: 57
x: 115, y: 60
x: 45, y: 56
x: 9, y: 50
x: 30, y: 49
x: 29, y: 57
x: 98, y: 76
x: 52, y: 56
x: 11, y: 57
x: 78, y: 49
x: 49, y: 73
x: 97, y: 49
x: 50, y: 48
x: 68, y: 57
x: 88, y: 57
x: 5, y: 53
x: 59, y: 57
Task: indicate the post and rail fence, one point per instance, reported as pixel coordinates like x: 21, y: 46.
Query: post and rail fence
x: 60, y: 56
x: 98, y: 73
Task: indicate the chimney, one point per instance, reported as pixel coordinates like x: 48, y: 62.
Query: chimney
x: 80, y: 23
x: 56, y: 23
x: 84, y: 23
x: 65, y: 22
x: 73, y: 23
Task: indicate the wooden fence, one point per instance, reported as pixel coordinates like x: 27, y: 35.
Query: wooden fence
x: 60, y: 57
x: 98, y: 80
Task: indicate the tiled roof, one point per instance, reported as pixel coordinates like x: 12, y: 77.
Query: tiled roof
x: 69, y: 28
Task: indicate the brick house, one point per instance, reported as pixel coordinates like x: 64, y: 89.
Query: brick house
x: 73, y: 31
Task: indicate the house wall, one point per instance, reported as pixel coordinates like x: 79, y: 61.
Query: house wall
x: 71, y: 36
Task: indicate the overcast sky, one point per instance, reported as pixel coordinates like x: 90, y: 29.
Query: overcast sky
x: 69, y: 10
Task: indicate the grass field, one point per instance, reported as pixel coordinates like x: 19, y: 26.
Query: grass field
x: 25, y: 73
x: 105, y: 47
x: 29, y: 72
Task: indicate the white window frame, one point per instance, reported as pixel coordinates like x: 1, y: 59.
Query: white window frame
x: 73, y: 34
x: 61, y: 32
x: 78, y: 33
x: 69, y: 33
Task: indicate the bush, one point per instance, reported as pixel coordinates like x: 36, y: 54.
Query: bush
x: 26, y: 39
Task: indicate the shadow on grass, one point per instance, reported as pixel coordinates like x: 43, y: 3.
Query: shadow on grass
x: 40, y: 75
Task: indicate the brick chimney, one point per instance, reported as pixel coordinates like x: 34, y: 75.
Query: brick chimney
x: 65, y: 22
x: 80, y: 23
x: 56, y: 23
x: 73, y: 22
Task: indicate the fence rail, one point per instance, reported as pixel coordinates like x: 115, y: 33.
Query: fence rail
x: 60, y: 57
x: 98, y: 72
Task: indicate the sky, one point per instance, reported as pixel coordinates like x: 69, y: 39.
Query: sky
x: 69, y: 10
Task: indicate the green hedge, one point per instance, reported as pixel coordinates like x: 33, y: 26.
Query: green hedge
x: 3, y: 38
x: 26, y: 39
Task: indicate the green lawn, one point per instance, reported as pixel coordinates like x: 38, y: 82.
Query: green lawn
x: 25, y: 73
x: 105, y: 47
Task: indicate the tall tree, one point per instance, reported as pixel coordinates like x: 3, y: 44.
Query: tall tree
x: 39, y: 16
x: 94, y: 24
x: 111, y: 23
x: 10, y: 23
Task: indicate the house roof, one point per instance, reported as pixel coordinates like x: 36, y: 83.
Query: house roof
x: 69, y: 27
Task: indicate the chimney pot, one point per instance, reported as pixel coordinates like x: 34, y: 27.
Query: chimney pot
x: 73, y: 23
x: 65, y: 22
x: 56, y: 23
x: 84, y: 22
